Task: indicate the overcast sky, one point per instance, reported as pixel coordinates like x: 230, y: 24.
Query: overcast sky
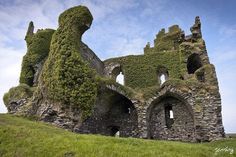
x: 123, y: 27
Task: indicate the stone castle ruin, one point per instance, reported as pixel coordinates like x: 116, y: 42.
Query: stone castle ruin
x: 170, y: 92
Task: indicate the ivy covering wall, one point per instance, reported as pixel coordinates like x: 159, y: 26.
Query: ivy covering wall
x: 21, y: 91
x: 38, y: 46
x: 67, y: 79
x: 141, y: 71
x: 65, y: 76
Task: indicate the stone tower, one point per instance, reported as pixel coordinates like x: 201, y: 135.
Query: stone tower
x: 170, y: 92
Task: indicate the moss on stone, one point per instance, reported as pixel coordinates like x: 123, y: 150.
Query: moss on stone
x: 76, y: 19
x: 21, y: 91
x: 126, y: 91
x: 38, y: 48
x: 192, y: 84
x: 169, y: 52
x: 149, y: 92
x: 65, y: 76
x: 198, y: 108
x: 208, y: 71
x: 166, y: 41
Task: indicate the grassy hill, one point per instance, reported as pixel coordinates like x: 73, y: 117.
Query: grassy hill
x: 20, y: 137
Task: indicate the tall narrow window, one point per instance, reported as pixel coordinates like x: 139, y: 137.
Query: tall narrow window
x: 169, y: 116
x: 162, y: 74
x: 120, y: 78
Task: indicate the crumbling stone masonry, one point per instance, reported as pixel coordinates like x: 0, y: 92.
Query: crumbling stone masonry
x: 170, y: 92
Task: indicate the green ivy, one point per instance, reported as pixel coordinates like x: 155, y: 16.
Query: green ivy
x: 141, y: 71
x: 69, y: 80
x: 166, y: 41
x: 66, y: 77
x: 21, y: 91
x: 38, y: 48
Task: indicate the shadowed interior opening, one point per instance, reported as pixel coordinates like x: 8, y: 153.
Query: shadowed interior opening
x: 193, y: 63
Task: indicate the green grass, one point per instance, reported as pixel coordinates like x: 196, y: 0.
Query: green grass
x: 20, y: 137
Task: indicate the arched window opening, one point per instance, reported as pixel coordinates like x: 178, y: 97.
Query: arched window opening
x: 129, y: 110
x: 117, y: 113
x: 193, y: 63
x: 117, y: 134
x: 120, y: 79
x: 162, y: 74
x: 115, y: 131
x: 162, y: 79
x: 169, y: 116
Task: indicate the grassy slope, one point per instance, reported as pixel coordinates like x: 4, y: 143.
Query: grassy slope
x: 22, y: 138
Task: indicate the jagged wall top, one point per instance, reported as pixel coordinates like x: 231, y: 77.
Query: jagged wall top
x: 174, y: 52
x: 196, y: 29
x: 30, y: 31
x: 38, y: 45
x: 170, y: 41
x: 166, y: 41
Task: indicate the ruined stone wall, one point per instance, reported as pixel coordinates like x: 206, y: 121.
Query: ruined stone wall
x: 184, y: 62
x: 166, y: 41
x: 142, y: 71
x: 75, y: 90
x: 89, y: 56
x: 164, y: 125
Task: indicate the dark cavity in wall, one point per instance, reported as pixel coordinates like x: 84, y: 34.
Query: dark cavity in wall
x: 193, y: 63
x: 114, y: 115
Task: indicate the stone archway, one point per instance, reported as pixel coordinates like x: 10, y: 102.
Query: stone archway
x: 121, y: 114
x: 113, y: 112
x: 171, y: 118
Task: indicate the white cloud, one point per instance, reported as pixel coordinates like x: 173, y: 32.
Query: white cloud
x: 152, y: 7
x: 224, y: 56
x: 10, y: 65
x: 128, y: 37
x: 229, y: 121
x: 225, y: 67
x: 228, y: 30
x: 101, y: 9
x: 122, y: 46
x: 14, y: 20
